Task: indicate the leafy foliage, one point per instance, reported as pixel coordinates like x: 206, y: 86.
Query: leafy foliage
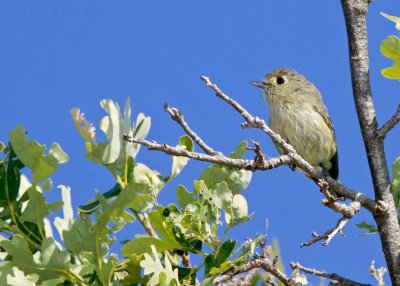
x: 197, y: 226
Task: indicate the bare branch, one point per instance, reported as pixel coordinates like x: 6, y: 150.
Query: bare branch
x: 343, y: 281
x: 328, y: 235
x: 216, y: 159
x: 261, y: 263
x: 348, y: 211
x: 377, y: 274
x: 383, y: 131
x: 177, y: 116
x: 388, y: 226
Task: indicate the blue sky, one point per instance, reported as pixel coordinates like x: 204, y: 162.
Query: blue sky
x: 56, y: 55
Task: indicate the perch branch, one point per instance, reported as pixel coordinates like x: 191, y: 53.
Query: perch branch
x: 216, y: 159
x: 260, y: 263
x: 342, y: 281
x: 177, y: 116
x: 383, y: 131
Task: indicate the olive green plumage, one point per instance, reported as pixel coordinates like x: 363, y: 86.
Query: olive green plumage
x: 297, y: 113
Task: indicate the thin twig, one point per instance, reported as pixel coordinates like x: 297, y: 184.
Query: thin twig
x: 328, y: 235
x: 383, y: 131
x: 260, y: 263
x: 177, y: 116
x: 342, y: 281
x: 348, y: 211
x: 218, y: 159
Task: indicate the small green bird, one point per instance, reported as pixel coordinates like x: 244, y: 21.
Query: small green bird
x: 297, y: 113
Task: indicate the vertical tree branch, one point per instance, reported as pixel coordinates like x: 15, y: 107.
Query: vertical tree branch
x: 355, y: 16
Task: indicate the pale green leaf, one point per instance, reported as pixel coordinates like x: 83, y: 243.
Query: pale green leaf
x: 164, y: 227
x: 19, y: 278
x: 140, y: 131
x: 184, y: 197
x: 84, y: 239
x: 152, y: 264
x: 112, y: 130
x: 147, y: 177
x: 394, y: 19
x: 237, y: 180
x: 126, y: 122
x: 52, y: 257
x: 222, y: 197
x: 142, y: 244
x: 390, y: 48
x: 5, y: 270
x: 37, y: 208
x: 178, y: 163
x: 66, y: 222
x: 85, y: 128
x: 46, y: 185
x: 396, y: 182
x: 240, y: 150
x: 239, y: 205
x: 32, y: 155
x: 58, y: 153
x: 277, y: 253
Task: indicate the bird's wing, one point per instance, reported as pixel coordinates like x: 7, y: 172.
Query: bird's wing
x: 334, y: 171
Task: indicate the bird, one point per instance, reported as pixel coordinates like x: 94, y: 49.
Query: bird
x: 298, y: 114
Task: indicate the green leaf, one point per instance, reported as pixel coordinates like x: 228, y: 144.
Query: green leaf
x: 178, y: 163
x: 53, y: 261
x: 161, y: 273
x: 390, y: 48
x: 134, y: 270
x: 112, y: 127
x: 149, y: 179
x: 164, y: 227
x: 240, y: 150
x: 396, y: 182
x: 66, y: 222
x: 52, y: 256
x: 85, y: 128
x: 117, y: 210
x: 393, y: 19
x: 5, y: 269
x: 184, y: 197
x: 237, y: 180
x: 37, y: 208
x: 46, y: 185
x: 85, y: 240
x: 20, y: 252
x: 277, y: 253
x: 220, y: 257
x: 371, y: 228
x: 140, y: 131
x: 222, y: 197
x: 32, y: 155
x: 142, y: 244
x: 10, y: 180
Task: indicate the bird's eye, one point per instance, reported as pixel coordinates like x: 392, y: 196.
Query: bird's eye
x: 280, y: 80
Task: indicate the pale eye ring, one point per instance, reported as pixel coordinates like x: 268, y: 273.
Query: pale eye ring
x: 280, y: 80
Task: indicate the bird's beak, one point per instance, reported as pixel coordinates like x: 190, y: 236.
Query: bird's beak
x: 258, y: 84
